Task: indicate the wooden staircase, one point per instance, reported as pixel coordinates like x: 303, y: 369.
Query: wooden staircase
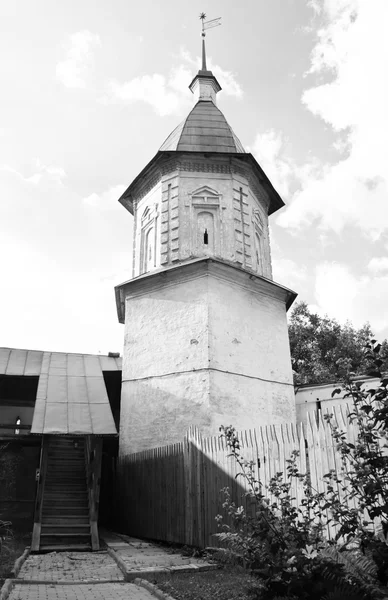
x: 63, y: 515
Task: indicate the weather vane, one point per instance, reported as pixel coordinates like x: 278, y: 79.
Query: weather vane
x: 207, y: 25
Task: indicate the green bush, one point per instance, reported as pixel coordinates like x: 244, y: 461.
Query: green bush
x: 284, y: 544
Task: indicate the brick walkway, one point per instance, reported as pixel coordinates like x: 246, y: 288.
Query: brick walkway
x: 74, y: 576
x: 97, y: 591
x: 96, y: 575
x: 70, y: 566
x: 140, y: 558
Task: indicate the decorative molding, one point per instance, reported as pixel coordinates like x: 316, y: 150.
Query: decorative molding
x: 196, y: 167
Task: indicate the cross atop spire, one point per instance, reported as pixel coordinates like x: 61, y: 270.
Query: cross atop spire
x: 204, y: 81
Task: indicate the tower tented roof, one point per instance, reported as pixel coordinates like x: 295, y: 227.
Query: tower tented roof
x: 204, y: 130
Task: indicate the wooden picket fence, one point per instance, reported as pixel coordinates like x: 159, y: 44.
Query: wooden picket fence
x: 173, y: 493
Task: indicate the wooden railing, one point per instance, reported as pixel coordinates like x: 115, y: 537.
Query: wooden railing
x: 93, y: 456
x: 41, y: 478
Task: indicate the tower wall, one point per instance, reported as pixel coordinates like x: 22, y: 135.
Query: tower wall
x: 205, y: 344
x: 201, y: 206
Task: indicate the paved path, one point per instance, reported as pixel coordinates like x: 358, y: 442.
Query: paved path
x: 139, y: 558
x: 97, y: 591
x: 74, y: 576
x: 100, y: 575
x: 70, y: 566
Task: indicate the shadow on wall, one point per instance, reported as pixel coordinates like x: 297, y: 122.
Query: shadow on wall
x: 19, y: 460
x: 171, y: 494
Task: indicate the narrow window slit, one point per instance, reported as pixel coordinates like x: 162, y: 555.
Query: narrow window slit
x: 206, y: 237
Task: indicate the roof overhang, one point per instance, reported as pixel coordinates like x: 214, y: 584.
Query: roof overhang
x: 275, y: 201
x: 207, y: 76
x: 71, y: 396
x: 200, y: 267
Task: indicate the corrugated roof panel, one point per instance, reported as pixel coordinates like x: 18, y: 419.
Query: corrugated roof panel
x: 79, y: 418
x: 58, y: 364
x: 16, y: 362
x: 33, y: 362
x: 4, y: 357
x: 46, y: 362
x: 57, y: 388
x: 102, y: 419
x: 75, y: 364
x: 71, y: 395
x: 41, y: 393
x: 56, y: 418
x: 38, y: 417
x: 96, y: 390
x: 92, y: 365
x: 108, y: 363
x: 77, y: 390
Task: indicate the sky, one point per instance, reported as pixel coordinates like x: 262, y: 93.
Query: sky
x: 90, y: 90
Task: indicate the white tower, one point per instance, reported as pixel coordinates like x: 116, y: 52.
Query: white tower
x: 206, y: 339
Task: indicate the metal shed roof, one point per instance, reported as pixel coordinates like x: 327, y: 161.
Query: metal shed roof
x: 71, y: 396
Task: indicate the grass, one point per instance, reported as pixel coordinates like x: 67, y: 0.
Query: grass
x: 228, y: 583
x: 12, y: 548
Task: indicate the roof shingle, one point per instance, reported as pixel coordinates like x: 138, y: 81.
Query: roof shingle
x: 204, y: 130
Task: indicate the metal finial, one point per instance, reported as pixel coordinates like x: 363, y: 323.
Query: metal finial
x: 206, y: 25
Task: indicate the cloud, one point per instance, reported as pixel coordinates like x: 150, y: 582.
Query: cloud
x: 267, y: 149
x: 288, y: 273
x: 270, y: 150
x: 107, y: 200
x: 168, y: 94
x: 340, y: 292
x: 156, y: 90
x: 68, y: 252
x: 351, y: 50
x: 72, y: 72
x: 378, y: 264
x: 51, y: 173
x: 227, y: 79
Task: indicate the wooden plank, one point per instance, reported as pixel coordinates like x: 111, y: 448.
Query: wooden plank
x: 35, y: 542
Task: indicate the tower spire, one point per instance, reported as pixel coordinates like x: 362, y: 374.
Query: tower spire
x: 203, y: 17
x: 204, y: 81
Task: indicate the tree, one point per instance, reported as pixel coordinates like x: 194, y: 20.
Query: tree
x: 322, y: 350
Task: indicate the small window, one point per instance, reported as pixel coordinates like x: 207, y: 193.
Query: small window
x: 206, y: 237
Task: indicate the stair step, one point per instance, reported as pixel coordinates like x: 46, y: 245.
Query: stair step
x: 82, y: 489
x: 55, y: 503
x: 70, y: 520
x: 64, y: 513
x: 69, y: 506
x: 64, y: 535
x: 65, y: 510
x: 65, y: 529
x: 67, y: 542
x: 74, y: 492
x: 65, y: 484
x: 66, y: 548
x: 67, y: 456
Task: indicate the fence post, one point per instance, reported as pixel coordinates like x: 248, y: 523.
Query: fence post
x: 187, y: 451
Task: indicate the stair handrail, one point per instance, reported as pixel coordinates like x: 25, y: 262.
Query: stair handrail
x: 41, y: 479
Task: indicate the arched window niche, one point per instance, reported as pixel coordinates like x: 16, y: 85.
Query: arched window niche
x: 205, y: 231
x: 259, y: 240
x: 148, y: 239
x: 205, y: 217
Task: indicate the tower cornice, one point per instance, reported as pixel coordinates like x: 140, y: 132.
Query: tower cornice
x: 195, y: 268
x: 164, y: 162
